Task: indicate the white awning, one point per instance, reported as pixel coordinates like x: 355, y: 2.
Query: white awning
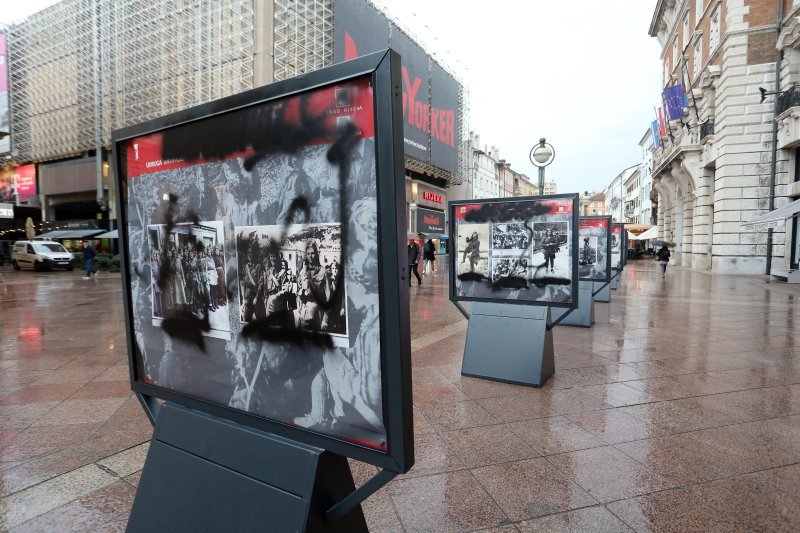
x: 774, y: 218
x: 652, y: 233
x: 108, y: 235
x: 51, y: 235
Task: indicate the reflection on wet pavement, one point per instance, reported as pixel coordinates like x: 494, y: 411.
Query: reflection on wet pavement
x: 678, y: 411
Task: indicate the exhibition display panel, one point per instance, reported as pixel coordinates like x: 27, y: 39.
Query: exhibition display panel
x: 515, y: 250
x: 264, y: 269
x: 594, y: 253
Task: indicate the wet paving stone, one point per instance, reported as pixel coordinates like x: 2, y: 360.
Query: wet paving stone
x: 679, y: 412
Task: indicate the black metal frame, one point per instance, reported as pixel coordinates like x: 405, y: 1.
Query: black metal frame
x: 608, y: 245
x: 383, y: 69
x: 451, y: 208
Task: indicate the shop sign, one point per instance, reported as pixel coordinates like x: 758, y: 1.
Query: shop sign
x: 6, y: 210
x: 437, y: 198
x: 430, y: 221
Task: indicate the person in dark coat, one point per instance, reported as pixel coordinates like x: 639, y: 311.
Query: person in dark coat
x: 663, y: 259
x: 429, y: 255
x: 413, y: 262
x: 89, y: 254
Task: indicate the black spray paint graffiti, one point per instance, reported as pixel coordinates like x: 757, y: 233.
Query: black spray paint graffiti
x: 267, y: 131
x: 493, y: 213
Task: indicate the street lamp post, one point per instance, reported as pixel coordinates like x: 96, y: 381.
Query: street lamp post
x: 542, y: 155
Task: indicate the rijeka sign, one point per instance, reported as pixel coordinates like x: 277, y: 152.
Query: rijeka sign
x: 431, y: 197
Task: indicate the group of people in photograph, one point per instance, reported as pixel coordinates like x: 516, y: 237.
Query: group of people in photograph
x: 187, y: 277
x: 292, y: 289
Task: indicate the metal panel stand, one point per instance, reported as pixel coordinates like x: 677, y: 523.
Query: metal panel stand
x: 602, y: 294
x: 511, y: 343
x: 583, y: 316
x: 614, y: 280
x: 204, y: 473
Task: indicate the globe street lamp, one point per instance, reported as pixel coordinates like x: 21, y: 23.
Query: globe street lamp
x: 542, y: 155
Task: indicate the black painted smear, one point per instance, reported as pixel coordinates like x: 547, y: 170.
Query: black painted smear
x: 274, y: 328
x: 186, y: 326
x: 502, y: 213
x: 265, y: 129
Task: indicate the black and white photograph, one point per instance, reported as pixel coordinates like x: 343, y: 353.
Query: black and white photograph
x: 473, y: 246
x: 294, y: 280
x: 510, y: 236
x: 509, y: 267
x: 187, y: 266
x: 551, y: 255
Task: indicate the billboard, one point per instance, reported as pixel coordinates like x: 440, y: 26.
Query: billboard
x: 5, y: 124
x: 255, y: 286
x: 515, y: 251
x: 617, y: 231
x: 430, y: 94
x: 594, y: 257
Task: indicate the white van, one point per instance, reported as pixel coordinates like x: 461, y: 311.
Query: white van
x: 40, y: 255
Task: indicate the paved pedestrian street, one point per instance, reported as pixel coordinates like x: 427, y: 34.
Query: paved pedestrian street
x: 678, y: 411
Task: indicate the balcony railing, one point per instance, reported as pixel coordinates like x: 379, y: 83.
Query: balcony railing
x: 707, y: 128
x: 787, y: 99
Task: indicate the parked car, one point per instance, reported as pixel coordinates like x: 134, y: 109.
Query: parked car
x: 40, y: 255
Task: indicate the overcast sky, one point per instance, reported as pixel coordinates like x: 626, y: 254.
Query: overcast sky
x: 583, y: 74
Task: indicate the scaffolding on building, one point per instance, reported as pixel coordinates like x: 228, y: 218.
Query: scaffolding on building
x: 304, y: 42
x: 80, y: 69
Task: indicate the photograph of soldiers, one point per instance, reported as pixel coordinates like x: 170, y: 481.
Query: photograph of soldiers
x: 509, y: 267
x: 550, y: 252
x: 587, y: 255
x: 295, y: 283
x: 510, y: 236
x: 473, y: 249
x: 184, y: 273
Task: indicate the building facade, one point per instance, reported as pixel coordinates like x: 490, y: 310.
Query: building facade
x: 716, y: 168
x: 645, y: 215
x: 79, y: 70
x: 523, y: 186
x: 481, y: 177
x: 616, y: 193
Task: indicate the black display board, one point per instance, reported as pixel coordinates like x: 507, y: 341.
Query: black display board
x: 521, y: 250
x: 263, y: 265
x: 617, y: 245
x: 594, y: 248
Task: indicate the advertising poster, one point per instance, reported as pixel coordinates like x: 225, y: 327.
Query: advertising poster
x: 430, y: 222
x: 430, y: 94
x: 515, y: 251
x: 594, y: 260
x: 617, y: 231
x: 18, y: 185
x: 253, y: 261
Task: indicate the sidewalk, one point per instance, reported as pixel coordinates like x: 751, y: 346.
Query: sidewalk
x: 681, y: 412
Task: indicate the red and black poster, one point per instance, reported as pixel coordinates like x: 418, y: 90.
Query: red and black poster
x: 430, y: 94
x: 594, y: 254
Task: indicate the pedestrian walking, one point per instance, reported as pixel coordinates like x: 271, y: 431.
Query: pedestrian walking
x: 413, y: 261
x: 429, y: 256
x: 663, y: 259
x: 89, y: 254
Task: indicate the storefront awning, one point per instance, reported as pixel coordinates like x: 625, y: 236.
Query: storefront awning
x: 652, y: 233
x: 51, y: 235
x: 774, y: 218
x: 80, y: 233
x: 108, y: 235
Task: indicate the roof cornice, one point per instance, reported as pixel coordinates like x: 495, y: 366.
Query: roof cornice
x: 653, y: 31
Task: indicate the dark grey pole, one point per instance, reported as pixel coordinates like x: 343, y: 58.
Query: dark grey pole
x: 541, y: 181
x: 774, y: 165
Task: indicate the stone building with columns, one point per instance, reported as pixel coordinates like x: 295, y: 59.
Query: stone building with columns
x: 714, y: 169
